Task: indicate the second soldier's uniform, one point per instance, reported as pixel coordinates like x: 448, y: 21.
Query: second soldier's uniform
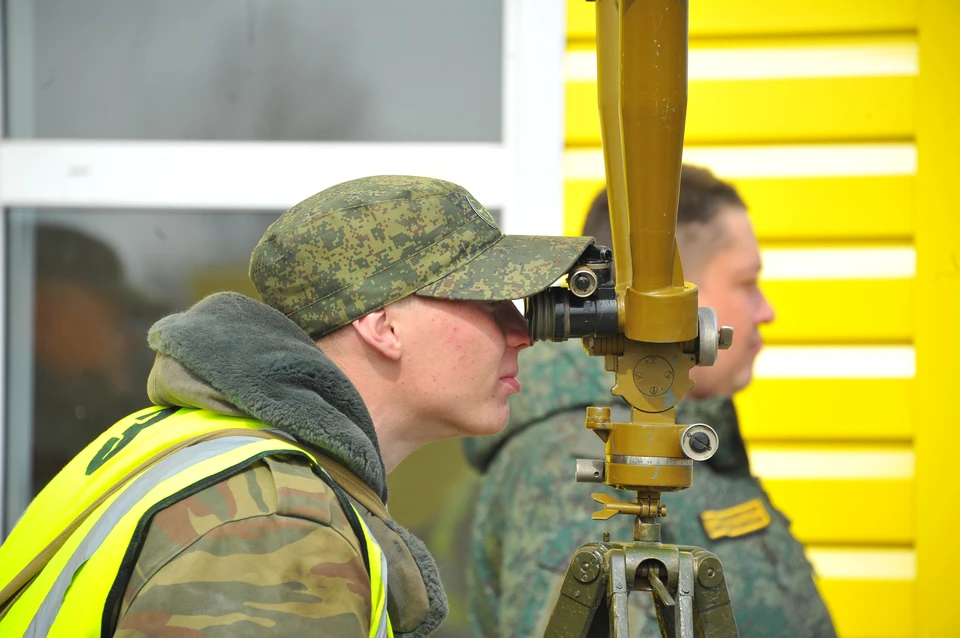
x: 532, y: 515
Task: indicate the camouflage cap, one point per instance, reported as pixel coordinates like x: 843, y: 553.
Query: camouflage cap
x: 360, y: 245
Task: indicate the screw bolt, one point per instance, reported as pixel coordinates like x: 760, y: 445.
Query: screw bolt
x: 710, y: 572
x: 582, y: 282
x: 588, y: 567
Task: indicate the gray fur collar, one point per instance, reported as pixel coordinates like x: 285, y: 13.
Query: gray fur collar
x: 265, y: 365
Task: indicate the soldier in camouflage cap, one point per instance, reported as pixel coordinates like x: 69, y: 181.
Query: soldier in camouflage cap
x: 531, y: 516
x: 405, y: 284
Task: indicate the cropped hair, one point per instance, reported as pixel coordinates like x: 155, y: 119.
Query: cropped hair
x: 702, y: 196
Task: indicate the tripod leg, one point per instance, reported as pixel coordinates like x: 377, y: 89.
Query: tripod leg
x: 581, y: 594
x: 663, y: 603
x: 685, y: 587
x: 714, y: 613
x: 617, y: 594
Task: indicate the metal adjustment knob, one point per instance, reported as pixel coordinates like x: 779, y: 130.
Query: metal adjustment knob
x: 699, y: 442
x: 583, y: 282
x: 726, y: 337
x: 590, y: 471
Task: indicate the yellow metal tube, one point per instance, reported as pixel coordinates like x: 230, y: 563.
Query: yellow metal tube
x: 608, y: 94
x: 659, y: 306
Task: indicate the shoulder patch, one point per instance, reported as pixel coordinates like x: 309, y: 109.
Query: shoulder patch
x: 735, y: 521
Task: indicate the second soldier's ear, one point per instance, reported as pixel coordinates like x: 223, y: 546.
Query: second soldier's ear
x: 378, y: 330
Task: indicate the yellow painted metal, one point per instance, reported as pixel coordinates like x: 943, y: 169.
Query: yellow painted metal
x: 881, y: 410
x: 872, y: 608
x: 873, y: 482
x: 607, y: 95
x: 841, y: 562
x: 938, y: 313
x: 659, y: 306
x: 865, y: 311
x: 749, y: 111
x: 661, y: 478
x: 859, y: 582
x: 847, y: 511
x: 837, y: 460
x: 719, y: 17
x: 798, y: 208
x: 647, y: 439
x: 853, y: 108
x: 860, y: 208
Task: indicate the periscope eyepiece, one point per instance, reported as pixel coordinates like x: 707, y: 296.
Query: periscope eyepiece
x: 586, y: 306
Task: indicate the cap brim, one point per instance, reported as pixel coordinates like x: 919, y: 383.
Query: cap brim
x: 515, y: 267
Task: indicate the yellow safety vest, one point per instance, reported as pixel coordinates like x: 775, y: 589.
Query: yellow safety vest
x: 66, y: 564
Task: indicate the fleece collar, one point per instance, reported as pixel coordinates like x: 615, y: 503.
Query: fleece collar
x: 265, y: 365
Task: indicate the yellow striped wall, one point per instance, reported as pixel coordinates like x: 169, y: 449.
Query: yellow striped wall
x: 813, y: 109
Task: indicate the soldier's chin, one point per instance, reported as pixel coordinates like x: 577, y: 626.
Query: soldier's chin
x: 745, y: 378
x: 495, y: 426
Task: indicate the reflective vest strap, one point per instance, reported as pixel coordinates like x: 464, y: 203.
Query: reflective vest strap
x: 371, y: 550
x: 384, y: 630
x: 10, y: 592
x: 359, y: 529
x: 380, y: 622
x: 169, y: 467
x: 164, y: 469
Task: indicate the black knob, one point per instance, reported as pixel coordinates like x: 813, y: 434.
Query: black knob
x: 699, y: 442
x: 583, y: 283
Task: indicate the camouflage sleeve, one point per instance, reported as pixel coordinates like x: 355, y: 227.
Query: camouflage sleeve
x: 282, y: 577
x: 266, y: 552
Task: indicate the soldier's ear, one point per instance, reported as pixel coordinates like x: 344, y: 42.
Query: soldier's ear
x: 378, y: 330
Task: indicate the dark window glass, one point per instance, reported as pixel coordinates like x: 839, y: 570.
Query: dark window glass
x: 85, y: 287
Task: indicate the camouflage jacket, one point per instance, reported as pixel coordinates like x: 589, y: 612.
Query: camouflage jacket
x: 269, y: 551
x: 531, y: 514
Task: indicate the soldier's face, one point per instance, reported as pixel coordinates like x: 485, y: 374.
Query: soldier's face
x: 461, y: 364
x: 729, y: 283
